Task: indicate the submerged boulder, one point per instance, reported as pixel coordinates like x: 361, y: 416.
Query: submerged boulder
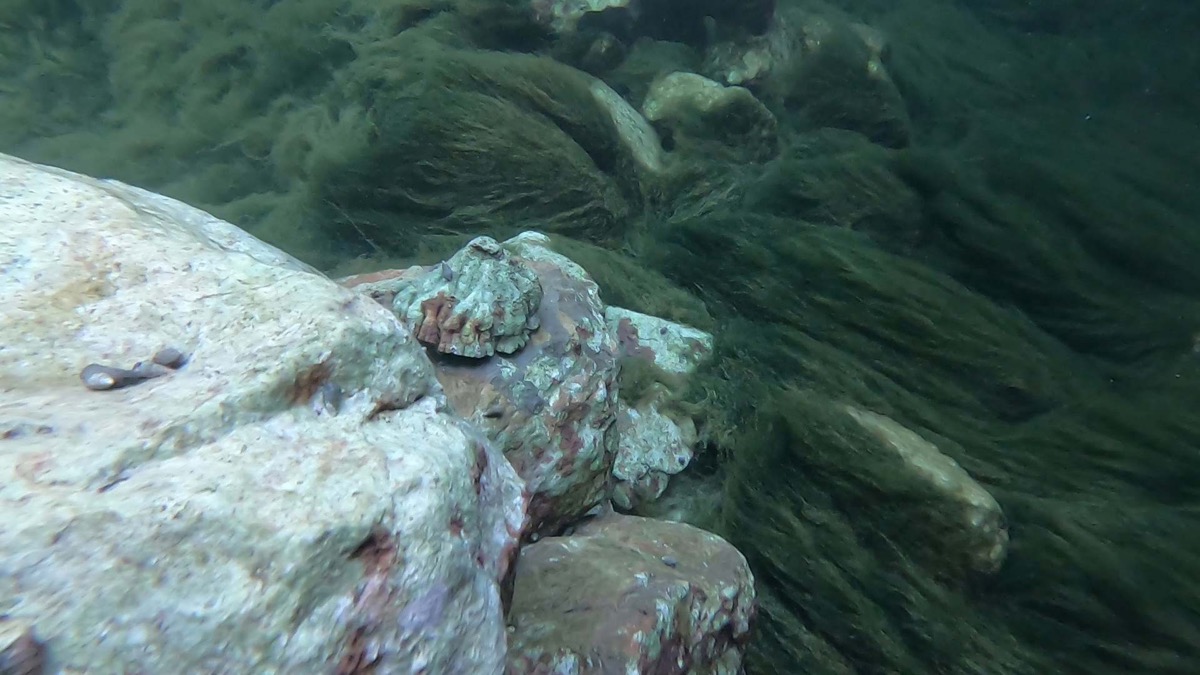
x: 625, y: 594
x: 825, y: 70
x: 973, y: 527
x: 701, y: 114
x: 437, y: 140
x: 293, y: 496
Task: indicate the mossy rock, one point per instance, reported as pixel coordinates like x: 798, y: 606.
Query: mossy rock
x: 457, y: 141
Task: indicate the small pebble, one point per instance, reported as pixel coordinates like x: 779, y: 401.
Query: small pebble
x: 669, y: 561
x: 145, y: 370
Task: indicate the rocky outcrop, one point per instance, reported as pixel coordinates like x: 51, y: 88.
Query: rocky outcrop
x: 826, y: 69
x: 293, y: 497
x: 631, y: 595
x: 688, y: 21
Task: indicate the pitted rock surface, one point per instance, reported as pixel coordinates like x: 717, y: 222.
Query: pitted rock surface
x: 480, y: 302
x: 672, y: 347
x: 215, y: 519
x: 624, y: 594
x: 550, y: 406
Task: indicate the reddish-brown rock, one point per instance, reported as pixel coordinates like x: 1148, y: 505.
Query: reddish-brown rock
x: 624, y: 594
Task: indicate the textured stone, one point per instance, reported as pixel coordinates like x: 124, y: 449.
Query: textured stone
x: 669, y: 346
x: 293, y: 499
x: 651, y: 447
x: 978, y: 520
x: 631, y: 595
x: 478, y: 303
x: 551, y: 406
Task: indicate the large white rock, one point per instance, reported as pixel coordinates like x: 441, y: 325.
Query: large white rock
x: 293, y: 500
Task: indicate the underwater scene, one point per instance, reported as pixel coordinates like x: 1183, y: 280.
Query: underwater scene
x: 813, y: 337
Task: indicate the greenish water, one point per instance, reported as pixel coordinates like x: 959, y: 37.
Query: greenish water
x: 998, y: 247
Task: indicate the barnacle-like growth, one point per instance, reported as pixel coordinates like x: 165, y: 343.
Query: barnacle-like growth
x: 479, y: 302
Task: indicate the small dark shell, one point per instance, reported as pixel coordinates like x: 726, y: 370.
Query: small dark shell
x: 170, y: 357
x: 143, y: 370
x: 24, y: 656
x: 98, y: 378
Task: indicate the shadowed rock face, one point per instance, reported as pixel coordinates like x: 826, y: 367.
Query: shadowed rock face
x: 294, y: 498
x: 626, y: 594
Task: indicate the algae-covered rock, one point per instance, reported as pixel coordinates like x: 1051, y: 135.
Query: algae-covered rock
x: 976, y: 523
x: 687, y: 21
x: 431, y: 140
x: 823, y: 69
x: 698, y: 112
x: 654, y: 441
x: 480, y: 302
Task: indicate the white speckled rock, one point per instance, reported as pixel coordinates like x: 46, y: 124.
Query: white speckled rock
x: 292, y: 500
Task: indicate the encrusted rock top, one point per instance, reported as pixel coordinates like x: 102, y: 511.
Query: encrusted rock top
x: 480, y: 302
x: 549, y: 407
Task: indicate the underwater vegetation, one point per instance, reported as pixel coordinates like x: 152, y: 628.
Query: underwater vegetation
x: 996, y: 247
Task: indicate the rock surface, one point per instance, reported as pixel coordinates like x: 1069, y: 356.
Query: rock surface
x: 653, y: 445
x: 976, y: 525
x: 550, y: 406
x: 624, y: 594
x: 292, y: 499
